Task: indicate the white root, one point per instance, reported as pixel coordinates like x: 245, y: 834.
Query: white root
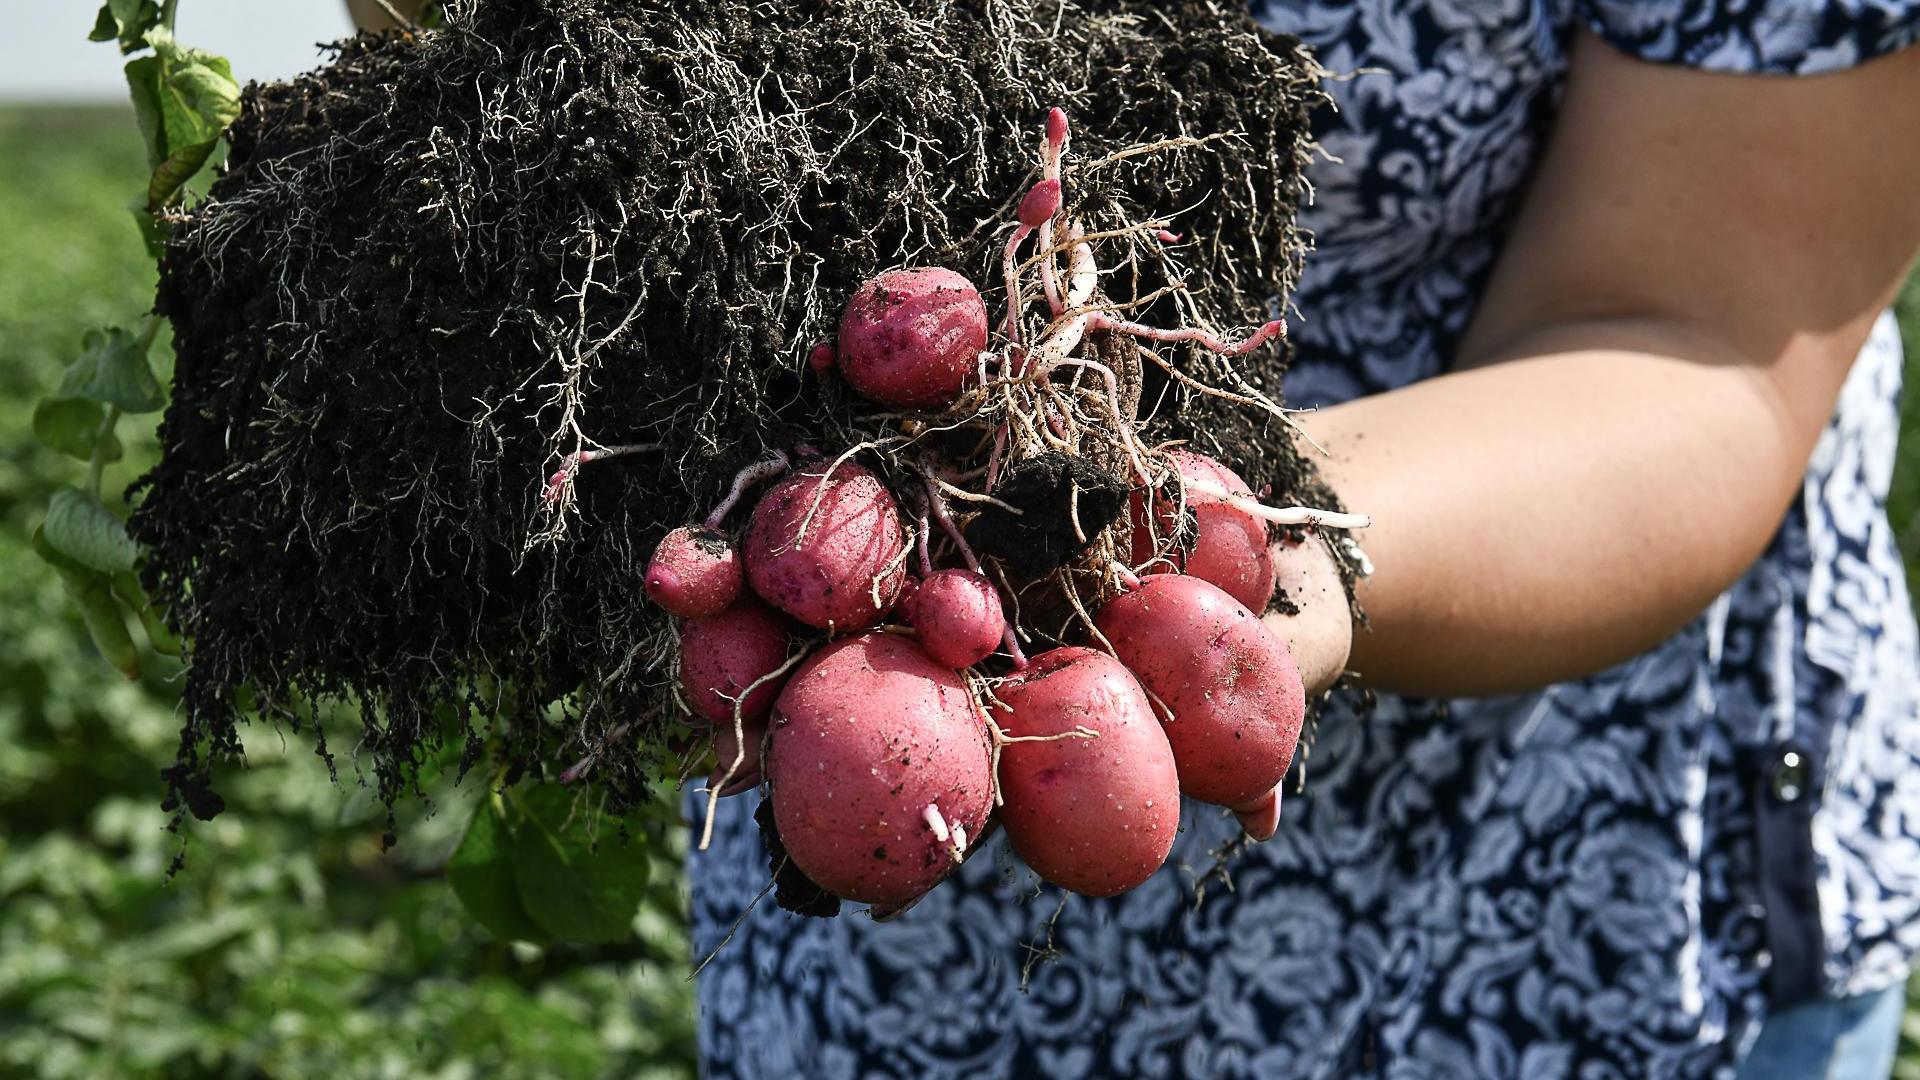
x: 1083, y: 274
x: 959, y: 842
x: 740, y: 741
x: 935, y: 822
x: 1287, y: 515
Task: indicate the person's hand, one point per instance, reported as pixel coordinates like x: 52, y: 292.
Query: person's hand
x: 1319, y: 634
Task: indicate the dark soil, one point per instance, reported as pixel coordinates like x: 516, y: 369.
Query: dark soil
x: 1046, y: 490
x: 434, y: 266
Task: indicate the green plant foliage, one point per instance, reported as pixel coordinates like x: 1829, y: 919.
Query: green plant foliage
x: 289, y: 944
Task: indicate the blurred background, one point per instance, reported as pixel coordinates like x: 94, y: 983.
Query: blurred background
x: 289, y: 944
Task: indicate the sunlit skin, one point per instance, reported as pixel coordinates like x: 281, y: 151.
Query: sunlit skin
x: 1698, y: 262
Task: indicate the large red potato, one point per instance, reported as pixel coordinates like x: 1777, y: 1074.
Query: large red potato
x: 1234, y: 691
x: 1099, y: 815
x: 878, y: 768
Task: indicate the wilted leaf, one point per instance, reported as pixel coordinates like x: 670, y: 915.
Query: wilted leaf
x: 184, y: 99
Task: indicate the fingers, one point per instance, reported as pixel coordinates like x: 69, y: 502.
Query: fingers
x: 1261, y: 818
x: 1318, y: 629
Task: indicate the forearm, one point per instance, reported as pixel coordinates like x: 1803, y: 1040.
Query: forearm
x: 1556, y: 512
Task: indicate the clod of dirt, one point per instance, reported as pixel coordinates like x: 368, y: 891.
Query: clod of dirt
x: 1063, y: 502
x: 440, y: 264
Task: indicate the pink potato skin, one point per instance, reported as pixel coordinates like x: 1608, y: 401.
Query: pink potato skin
x: 958, y: 616
x: 695, y: 572
x: 828, y: 579
x: 1097, y: 816
x: 912, y: 338
x: 870, y: 731
x: 721, y: 655
x: 1230, y: 546
x: 1235, y: 693
x: 746, y: 775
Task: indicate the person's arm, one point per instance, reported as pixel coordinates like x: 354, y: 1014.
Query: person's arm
x: 1698, y: 262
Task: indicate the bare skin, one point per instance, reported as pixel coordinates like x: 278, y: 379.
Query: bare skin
x: 1698, y: 262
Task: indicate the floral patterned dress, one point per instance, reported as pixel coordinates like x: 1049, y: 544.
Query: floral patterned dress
x: 1613, y: 877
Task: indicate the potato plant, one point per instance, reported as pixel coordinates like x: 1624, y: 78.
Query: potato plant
x: 578, y: 412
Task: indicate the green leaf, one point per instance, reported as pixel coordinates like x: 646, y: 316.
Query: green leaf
x: 159, y: 637
x: 183, y: 99
x: 576, y: 885
x: 92, y: 592
x: 88, y: 533
x: 153, y: 232
x: 482, y: 876
x: 144, y: 77
x: 126, y: 21
x: 113, y: 370
x: 71, y: 426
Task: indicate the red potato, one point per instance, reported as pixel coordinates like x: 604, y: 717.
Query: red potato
x: 1234, y: 691
x: 1230, y: 547
x: 846, y: 573
x: 958, y: 617
x: 878, y: 767
x: 722, y: 655
x: 746, y: 774
x: 912, y: 338
x: 695, y: 572
x: 1099, y: 815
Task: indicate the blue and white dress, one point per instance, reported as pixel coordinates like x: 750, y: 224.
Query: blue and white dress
x: 1613, y: 877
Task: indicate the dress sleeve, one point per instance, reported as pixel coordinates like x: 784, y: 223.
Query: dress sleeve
x: 1772, y: 37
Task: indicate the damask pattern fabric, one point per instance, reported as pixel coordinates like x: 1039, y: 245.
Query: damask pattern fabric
x: 1613, y: 877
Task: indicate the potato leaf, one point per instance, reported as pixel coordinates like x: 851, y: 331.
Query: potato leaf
x: 482, y: 875
x: 88, y: 533
x: 72, y: 426
x: 183, y: 99
x: 574, y: 876
x: 126, y: 21
x: 92, y: 592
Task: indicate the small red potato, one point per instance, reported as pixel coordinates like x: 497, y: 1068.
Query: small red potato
x: 958, y: 616
x: 746, y: 774
x: 1230, y: 545
x: 878, y: 768
x: 1236, y: 698
x: 847, y: 571
x: 1099, y: 815
x: 722, y: 655
x: 695, y: 572
x: 912, y: 338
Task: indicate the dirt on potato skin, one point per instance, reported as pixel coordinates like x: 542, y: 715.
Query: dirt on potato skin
x: 433, y: 266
